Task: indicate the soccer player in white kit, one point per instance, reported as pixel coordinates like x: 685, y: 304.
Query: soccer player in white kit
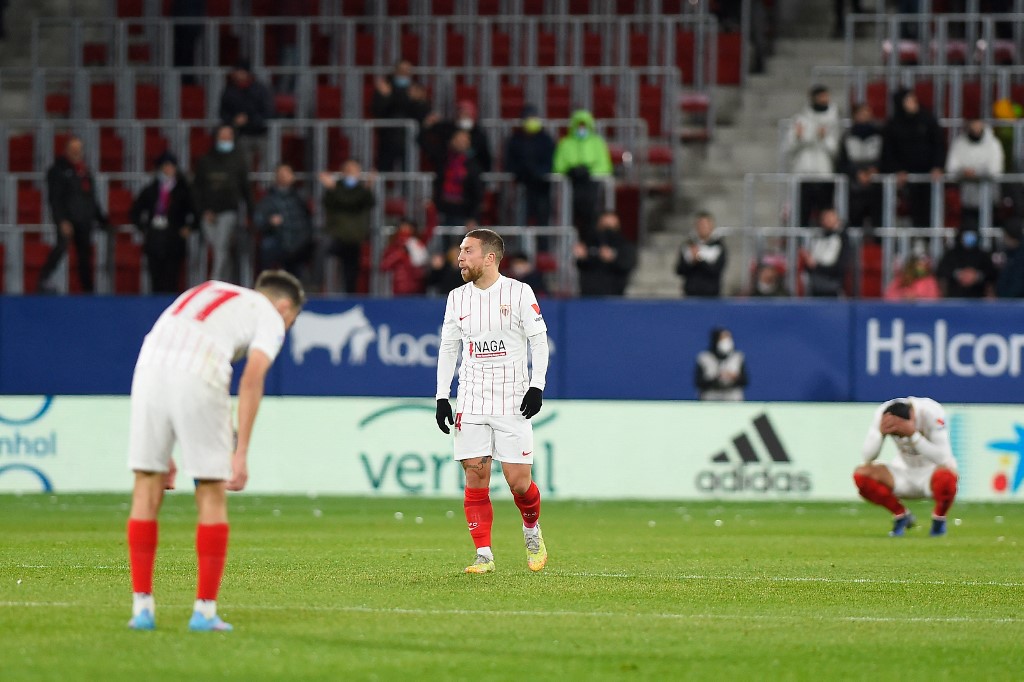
x: 494, y: 317
x: 180, y: 392
x: 923, y: 467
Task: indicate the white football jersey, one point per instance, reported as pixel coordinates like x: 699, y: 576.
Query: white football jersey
x: 210, y: 326
x: 493, y: 325
x: 928, y: 447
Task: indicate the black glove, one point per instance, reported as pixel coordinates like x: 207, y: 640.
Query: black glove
x: 444, y: 414
x: 532, y: 401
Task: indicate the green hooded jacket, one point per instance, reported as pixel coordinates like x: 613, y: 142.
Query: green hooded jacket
x: 589, y: 151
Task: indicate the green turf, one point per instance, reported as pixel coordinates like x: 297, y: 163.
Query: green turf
x: 339, y: 589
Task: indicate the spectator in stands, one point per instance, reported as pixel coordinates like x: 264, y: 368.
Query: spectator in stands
x: 721, y: 372
x: 811, y: 145
x: 406, y: 259
x: 914, y: 281
x: 826, y: 257
x: 436, y: 132
x: 165, y: 214
x: 396, y: 97
x: 247, y: 105
x: 186, y: 35
x: 860, y: 155
x: 975, y: 157
x: 702, y: 259
x: 913, y: 142
x: 839, y: 10
x: 966, y: 270
x: 75, y: 210
x: 529, y: 153
x: 521, y: 267
x: 583, y: 155
x: 220, y: 186
x: 445, y: 273
x: 1010, y: 283
x: 769, y: 280
x: 606, y: 263
x: 282, y: 219
x: 347, y: 207
x: 458, y: 188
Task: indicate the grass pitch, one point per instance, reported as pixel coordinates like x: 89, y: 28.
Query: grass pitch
x: 339, y: 588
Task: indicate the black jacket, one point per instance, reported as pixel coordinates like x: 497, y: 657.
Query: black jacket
x: 912, y: 143
x: 958, y: 258
x: 164, y: 240
x: 702, y: 277
x: 254, y: 101
x: 1011, y: 278
x: 529, y: 157
x: 436, y: 137
x: 598, y: 278
x: 472, y: 187
x: 72, y: 197
x: 221, y: 181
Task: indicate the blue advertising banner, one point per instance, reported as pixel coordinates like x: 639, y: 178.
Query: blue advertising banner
x: 601, y: 349
x: 946, y: 351
x: 648, y: 350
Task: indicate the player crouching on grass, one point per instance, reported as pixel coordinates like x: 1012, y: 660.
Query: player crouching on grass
x: 495, y: 318
x: 180, y: 392
x: 923, y: 467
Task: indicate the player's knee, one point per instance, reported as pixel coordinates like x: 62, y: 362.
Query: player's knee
x: 944, y: 483
x: 861, y: 478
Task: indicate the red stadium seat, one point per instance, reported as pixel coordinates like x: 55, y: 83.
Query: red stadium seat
x: 58, y: 103
x: 102, y: 101
x: 111, y: 151
x: 285, y: 104
x: 593, y: 52
x: 730, y: 51
x: 512, y: 100
x: 200, y: 142
x: 639, y: 48
x: 328, y: 101
x: 603, y: 102
x: 533, y: 7
x: 488, y: 8
x: 364, y: 48
x: 685, y: 44
x: 218, y: 8
x: 21, y: 153
x: 193, y: 101
x: 230, y: 46
x: 578, y: 7
x: 650, y: 108
x: 30, y: 205
x: 140, y: 53
x: 501, y: 48
x: 129, y: 9
x: 339, y: 148
x: 398, y: 8
x: 119, y: 205
x: 559, y: 101
x: 321, y: 50
x: 147, y: 101
x: 547, y: 49
x: 455, y: 49
x: 94, y: 54
x: 470, y: 92
x: 293, y: 151
x: 410, y: 45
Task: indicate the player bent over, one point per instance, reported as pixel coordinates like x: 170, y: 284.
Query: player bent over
x: 180, y: 392
x: 923, y: 466
x: 495, y: 318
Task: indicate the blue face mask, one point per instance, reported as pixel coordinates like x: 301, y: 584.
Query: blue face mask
x: 582, y: 131
x: 225, y: 146
x: 350, y: 181
x: 402, y: 82
x: 970, y: 239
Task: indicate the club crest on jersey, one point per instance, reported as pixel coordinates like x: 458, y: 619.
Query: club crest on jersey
x: 505, y: 310
x: 487, y: 349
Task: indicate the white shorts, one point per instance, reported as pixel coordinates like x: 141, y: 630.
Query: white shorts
x: 168, y: 407
x: 911, y: 482
x: 506, y: 438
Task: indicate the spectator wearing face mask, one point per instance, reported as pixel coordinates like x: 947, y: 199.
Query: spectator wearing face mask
x: 721, y: 372
x: 396, y: 97
x: 975, y: 157
x: 405, y: 257
x: 437, y: 133
x: 769, y: 281
x: 860, y: 154
x: 606, y: 263
x: 913, y: 142
x: 966, y: 270
x: 826, y: 257
x: 811, y: 145
x: 582, y: 155
x: 348, y: 203
x: 458, y: 188
x: 529, y: 153
x: 247, y: 105
x: 165, y: 214
x: 914, y: 281
x: 220, y: 187
x: 1011, y: 276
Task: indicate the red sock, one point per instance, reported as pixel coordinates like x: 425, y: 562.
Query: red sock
x: 479, y: 515
x: 529, y: 505
x: 943, y: 490
x: 879, y: 493
x: 142, y: 537
x: 212, y: 549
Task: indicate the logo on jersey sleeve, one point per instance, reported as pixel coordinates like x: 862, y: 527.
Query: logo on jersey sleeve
x: 536, y: 307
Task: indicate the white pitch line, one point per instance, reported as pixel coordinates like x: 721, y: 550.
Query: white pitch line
x: 567, y: 614
x: 798, y: 579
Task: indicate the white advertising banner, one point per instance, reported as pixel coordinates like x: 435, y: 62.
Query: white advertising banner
x: 583, y: 449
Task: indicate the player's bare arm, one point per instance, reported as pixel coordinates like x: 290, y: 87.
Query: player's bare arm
x: 250, y: 392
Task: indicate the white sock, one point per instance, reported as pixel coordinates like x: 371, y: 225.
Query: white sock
x: 485, y: 551
x: 535, y: 531
x: 142, y: 601
x: 207, y: 607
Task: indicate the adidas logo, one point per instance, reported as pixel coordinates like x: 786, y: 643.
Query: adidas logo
x: 753, y: 473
